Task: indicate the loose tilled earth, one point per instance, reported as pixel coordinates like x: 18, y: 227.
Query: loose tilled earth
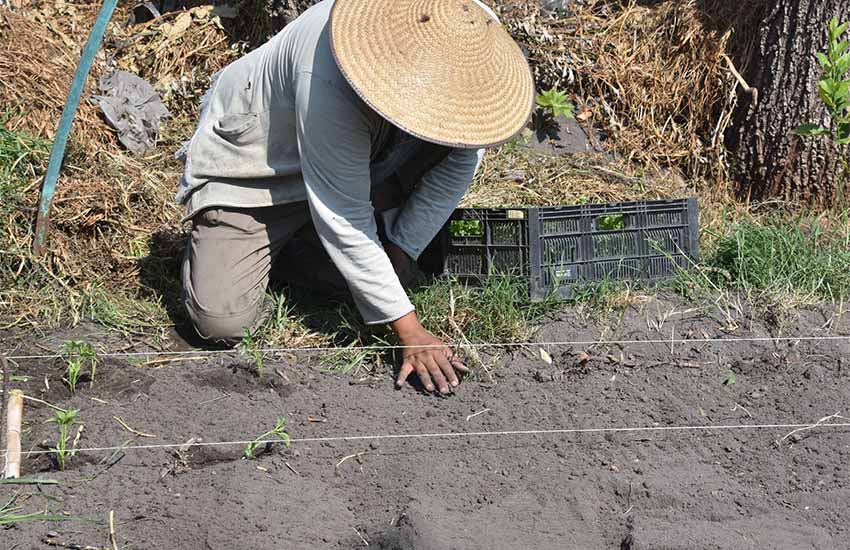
x: 626, y: 490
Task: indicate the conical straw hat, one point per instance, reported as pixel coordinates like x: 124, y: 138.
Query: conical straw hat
x: 442, y: 70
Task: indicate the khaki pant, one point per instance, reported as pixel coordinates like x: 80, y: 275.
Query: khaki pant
x: 231, y: 252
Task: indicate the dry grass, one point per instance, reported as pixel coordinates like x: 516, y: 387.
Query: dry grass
x: 114, y: 242
x: 177, y: 53
x: 515, y: 176
x: 651, y: 74
x: 35, y: 73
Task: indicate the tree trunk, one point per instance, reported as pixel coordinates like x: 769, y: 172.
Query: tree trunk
x: 769, y: 162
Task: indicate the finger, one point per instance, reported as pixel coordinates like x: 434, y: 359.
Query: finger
x: 423, y: 375
x: 446, y: 366
x: 436, y: 373
x: 459, y: 365
x: 403, y: 373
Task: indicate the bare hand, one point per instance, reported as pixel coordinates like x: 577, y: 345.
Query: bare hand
x: 427, y: 355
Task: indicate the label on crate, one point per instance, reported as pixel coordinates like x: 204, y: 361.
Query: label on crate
x: 515, y: 214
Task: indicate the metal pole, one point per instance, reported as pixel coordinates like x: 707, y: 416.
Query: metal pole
x: 57, y: 153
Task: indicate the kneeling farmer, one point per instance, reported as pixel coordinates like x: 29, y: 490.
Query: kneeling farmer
x: 337, y: 151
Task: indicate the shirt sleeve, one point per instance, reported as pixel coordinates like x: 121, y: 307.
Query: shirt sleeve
x: 334, y: 144
x: 433, y: 201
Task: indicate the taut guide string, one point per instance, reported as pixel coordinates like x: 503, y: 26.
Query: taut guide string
x: 797, y: 427
x: 514, y: 433
x: 578, y: 343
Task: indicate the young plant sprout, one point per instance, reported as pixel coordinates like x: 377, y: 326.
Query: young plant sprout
x: 78, y: 356
x: 556, y: 102
x: 834, y: 91
x: 251, y: 348
x: 278, y: 431
x: 64, y: 419
x: 834, y: 86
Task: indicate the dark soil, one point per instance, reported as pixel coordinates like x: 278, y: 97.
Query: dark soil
x: 627, y: 490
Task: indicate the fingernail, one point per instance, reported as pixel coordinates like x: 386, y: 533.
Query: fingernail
x: 429, y: 388
x: 454, y: 382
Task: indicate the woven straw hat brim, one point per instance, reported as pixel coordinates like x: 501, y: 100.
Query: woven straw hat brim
x: 442, y: 70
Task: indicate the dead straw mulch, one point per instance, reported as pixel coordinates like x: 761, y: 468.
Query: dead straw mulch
x: 650, y: 74
x: 38, y: 62
x: 177, y: 53
x: 115, y: 232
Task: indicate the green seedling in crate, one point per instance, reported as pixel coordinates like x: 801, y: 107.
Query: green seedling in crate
x: 65, y: 419
x: 465, y: 228
x: 79, y: 356
x: 278, y: 431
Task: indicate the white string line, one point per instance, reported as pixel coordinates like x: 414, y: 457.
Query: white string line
x: 378, y: 347
x: 443, y: 435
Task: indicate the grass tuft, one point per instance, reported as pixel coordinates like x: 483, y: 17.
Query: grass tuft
x: 802, y: 261
x: 498, y: 310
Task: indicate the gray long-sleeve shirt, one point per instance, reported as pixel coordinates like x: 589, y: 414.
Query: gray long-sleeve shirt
x: 283, y: 125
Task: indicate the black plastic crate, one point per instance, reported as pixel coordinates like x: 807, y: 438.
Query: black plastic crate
x: 555, y: 248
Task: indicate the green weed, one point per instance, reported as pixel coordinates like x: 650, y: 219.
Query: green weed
x: 277, y: 431
x: 65, y: 419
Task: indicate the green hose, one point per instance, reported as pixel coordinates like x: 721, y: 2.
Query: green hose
x: 57, y: 153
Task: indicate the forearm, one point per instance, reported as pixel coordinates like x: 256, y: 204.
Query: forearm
x: 433, y: 201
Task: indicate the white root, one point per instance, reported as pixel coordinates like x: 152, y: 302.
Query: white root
x: 14, y: 418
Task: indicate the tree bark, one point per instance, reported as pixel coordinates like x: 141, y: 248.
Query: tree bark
x: 769, y: 161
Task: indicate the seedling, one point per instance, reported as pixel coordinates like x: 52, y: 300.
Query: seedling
x: 250, y: 347
x: 79, y: 356
x: 64, y: 419
x: 834, y: 89
x: 555, y: 102
x: 612, y: 222
x: 466, y: 228
x: 278, y: 431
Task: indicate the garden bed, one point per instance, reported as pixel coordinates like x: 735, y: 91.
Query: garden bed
x: 731, y: 488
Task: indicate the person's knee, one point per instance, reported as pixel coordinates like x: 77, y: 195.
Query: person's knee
x: 219, y: 317
x: 227, y: 329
